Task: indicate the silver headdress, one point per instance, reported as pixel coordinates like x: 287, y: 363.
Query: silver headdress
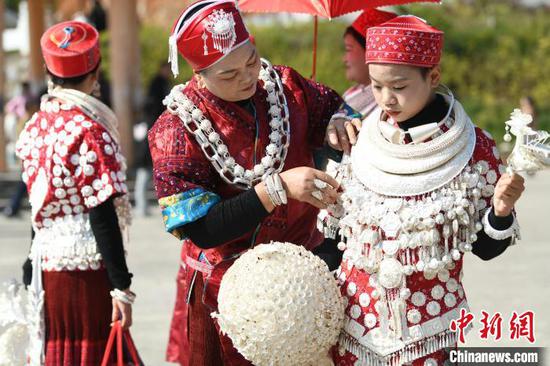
x: 221, y: 26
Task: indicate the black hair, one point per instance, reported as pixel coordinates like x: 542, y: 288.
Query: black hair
x: 75, y: 80
x: 358, y: 37
x: 32, y: 103
x: 424, y: 71
x: 530, y: 100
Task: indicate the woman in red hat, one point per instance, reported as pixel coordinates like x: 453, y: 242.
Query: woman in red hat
x: 233, y: 165
x: 423, y: 187
x: 360, y: 96
x: 75, y: 174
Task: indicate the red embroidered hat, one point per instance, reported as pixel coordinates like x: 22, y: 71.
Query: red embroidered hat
x: 70, y: 49
x: 406, y: 40
x: 370, y: 18
x: 205, y: 36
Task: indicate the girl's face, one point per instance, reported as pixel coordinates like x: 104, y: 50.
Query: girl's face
x: 402, y: 91
x: 235, y: 77
x: 354, y: 61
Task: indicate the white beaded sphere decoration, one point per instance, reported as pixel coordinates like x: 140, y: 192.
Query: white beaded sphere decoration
x: 280, y: 305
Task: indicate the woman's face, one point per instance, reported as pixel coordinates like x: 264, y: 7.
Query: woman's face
x: 235, y: 77
x: 402, y: 91
x: 354, y: 61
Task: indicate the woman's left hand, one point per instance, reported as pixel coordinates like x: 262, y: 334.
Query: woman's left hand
x: 122, y: 311
x: 507, y: 191
x: 342, y: 134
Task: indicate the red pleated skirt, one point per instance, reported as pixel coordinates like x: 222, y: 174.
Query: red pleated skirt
x: 77, y: 311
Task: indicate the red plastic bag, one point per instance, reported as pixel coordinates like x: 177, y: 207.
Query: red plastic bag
x: 124, y: 343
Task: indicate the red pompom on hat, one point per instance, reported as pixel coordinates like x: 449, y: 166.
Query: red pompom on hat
x: 371, y: 18
x: 406, y: 40
x: 208, y: 35
x: 70, y: 49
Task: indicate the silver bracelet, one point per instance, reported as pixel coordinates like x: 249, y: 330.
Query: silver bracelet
x: 341, y: 115
x: 493, y: 233
x: 123, y: 296
x: 275, y: 190
x: 271, y: 191
x: 279, y: 188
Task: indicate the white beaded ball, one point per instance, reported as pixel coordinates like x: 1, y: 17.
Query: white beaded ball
x: 280, y: 305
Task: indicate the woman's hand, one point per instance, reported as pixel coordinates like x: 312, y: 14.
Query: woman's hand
x: 310, y: 185
x: 341, y: 133
x: 507, y: 191
x: 122, y: 311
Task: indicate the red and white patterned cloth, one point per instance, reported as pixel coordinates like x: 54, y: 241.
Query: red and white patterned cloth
x: 71, y: 164
x: 406, y: 40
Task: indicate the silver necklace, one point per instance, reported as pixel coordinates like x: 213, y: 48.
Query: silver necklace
x: 217, y: 151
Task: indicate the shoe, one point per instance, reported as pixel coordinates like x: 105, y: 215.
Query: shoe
x: 9, y: 212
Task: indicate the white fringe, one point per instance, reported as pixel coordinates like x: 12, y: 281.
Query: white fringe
x: 409, y: 353
x: 68, y: 244
x: 173, y: 54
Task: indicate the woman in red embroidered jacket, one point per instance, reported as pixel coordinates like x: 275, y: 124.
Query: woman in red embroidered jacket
x: 75, y: 175
x: 233, y: 165
x: 423, y: 186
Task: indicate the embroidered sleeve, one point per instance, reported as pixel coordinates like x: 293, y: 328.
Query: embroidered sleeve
x: 183, y: 208
x: 99, y: 165
x: 183, y: 177
x: 490, y: 167
x: 321, y: 103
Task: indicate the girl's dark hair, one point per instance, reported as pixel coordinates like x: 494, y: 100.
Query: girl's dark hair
x: 75, y: 80
x: 425, y: 71
x: 355, y: 34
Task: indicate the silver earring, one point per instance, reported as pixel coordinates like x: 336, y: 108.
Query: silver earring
x: 96, y: 91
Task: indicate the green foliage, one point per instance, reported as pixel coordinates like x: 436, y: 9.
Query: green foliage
x: 12, y: 5
x: 293, y: 45
x: 154, y: 50
x: 495, y: 53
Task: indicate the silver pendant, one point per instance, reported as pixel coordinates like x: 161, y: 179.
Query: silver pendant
x: 391, y: 224
x: 390, y: 273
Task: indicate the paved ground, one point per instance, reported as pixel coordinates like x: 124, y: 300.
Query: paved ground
x: 517, y: 281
